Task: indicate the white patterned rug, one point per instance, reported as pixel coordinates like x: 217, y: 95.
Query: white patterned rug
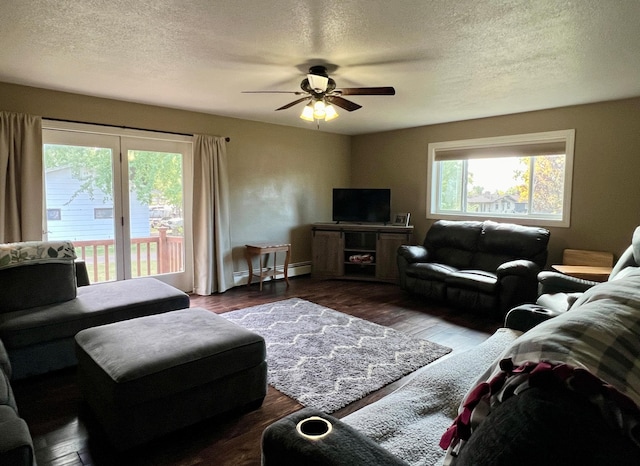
x: 326, y: 359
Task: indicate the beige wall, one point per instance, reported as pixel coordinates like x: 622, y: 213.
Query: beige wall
x: 606, y: 191
x: 280, y: 177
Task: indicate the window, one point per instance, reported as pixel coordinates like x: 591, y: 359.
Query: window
x: 525, y: 177
x: 111, y: 183
x: 54, y: 214
x: 103, y: 212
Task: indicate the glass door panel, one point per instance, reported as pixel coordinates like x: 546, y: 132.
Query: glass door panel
x: 157, y: 221
x: 79, y: 187
x: 156, y: 212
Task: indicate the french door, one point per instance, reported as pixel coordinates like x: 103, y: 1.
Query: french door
x: 120, y: 196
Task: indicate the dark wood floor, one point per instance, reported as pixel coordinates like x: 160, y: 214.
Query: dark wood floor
x: 65, y: 433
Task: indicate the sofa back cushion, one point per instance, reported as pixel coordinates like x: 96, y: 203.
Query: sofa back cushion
x: 504, y: 242
x: 485, y: 245
x: 28, y: 286
x: 452, y: 242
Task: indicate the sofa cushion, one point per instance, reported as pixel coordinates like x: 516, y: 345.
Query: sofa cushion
x: 570, y: 428
x: 452, y: 242
x: 454, y: 234
x: 5, y: 365
x: 97, y: 304
x: 516, y: 241
x: 6, y: 394
x: 155, y: 356
x: 491, y: 262
x: 480, y: 280
x: 430, y: 271
x: 16, y: 446
x: 37, y: 284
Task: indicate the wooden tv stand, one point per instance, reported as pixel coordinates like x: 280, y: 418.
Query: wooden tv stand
x: 338, y: 247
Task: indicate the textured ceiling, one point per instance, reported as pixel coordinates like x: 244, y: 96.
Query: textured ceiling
x: 448, y: 60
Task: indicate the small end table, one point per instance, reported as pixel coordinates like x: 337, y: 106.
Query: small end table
x: 266, y: 249
x: 586, y: 272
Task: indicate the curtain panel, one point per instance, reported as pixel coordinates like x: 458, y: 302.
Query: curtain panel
x: 21, y: 177
x: 213, y: 266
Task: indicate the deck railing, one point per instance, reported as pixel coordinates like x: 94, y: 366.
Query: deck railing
x: 152, y: 255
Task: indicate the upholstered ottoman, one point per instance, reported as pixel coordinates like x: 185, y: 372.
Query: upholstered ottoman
x: 152, y: 375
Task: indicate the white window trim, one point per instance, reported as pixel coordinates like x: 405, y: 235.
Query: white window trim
x: 568, y: 136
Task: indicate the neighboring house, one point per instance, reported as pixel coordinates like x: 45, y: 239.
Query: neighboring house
x: 81, y: 218
x: 495, y: 204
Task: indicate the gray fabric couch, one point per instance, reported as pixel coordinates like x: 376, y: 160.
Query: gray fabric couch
x: 402, y: 428
x: 591, y: 418
x: 16, y: 446
x: 42, y: 308
x: 486, y: 266
x: 39, y: 335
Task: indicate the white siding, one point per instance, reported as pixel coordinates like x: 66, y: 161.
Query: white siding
x: 77, y: 220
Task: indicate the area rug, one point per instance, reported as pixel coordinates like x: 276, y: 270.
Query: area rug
x: 326, y: 359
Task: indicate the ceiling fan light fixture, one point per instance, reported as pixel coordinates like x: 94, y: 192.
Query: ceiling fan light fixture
x: 330, y: 113
x: 318, y: 83
x: 319, y: 111
x: 307, y: 112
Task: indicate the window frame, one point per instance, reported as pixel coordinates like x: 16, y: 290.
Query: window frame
x: 565, y: 136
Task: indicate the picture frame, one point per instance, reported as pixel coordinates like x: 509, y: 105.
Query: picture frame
x: 401, y: 219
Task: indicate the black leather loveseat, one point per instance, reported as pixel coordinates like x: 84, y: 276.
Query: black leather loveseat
x: 476, y: 265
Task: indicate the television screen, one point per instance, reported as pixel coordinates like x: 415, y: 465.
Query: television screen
x: 361, y: 205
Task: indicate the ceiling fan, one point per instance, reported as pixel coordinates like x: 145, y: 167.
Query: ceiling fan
x: 320, y: 93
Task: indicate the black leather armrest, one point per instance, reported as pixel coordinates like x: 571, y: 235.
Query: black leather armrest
x: 520, y: 267
x: 283, y: 445
x: 527, y: 316
x: 413, y: 253
x: 555, y: 282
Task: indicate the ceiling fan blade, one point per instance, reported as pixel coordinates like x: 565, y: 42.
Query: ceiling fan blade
x: 367, y: 91
x: 291, y: 104
x: 273, y: 92
x: 343, y: 103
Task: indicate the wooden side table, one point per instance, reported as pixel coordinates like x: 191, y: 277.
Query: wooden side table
x: 265, y: 271
x: 586, y: 272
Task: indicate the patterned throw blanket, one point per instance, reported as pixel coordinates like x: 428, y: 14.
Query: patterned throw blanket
x: 593, y: 349
x: 32, y: 252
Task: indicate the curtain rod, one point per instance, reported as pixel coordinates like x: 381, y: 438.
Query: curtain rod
x: 124, y: 127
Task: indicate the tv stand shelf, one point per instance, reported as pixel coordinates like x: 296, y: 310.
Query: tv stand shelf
x: 357, y: 251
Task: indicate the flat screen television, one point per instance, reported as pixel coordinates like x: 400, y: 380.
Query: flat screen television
x: 361, y: 205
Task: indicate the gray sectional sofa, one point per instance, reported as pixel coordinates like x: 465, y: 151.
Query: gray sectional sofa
x: 41, y: 310
x: 564, y: 392
x: 16, y: 447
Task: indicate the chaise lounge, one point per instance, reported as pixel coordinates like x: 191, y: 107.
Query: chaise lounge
x: 45, y: 307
